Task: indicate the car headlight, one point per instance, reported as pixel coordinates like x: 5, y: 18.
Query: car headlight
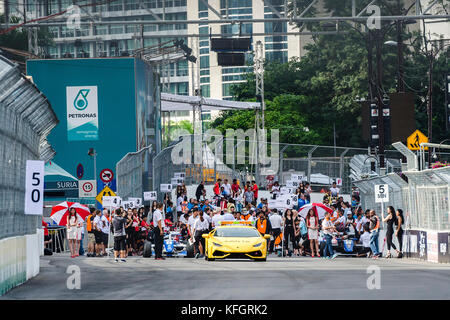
x: 257, y: 245
x: 217, y: 244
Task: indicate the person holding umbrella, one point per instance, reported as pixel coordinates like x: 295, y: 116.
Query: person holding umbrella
x: 73, y: 232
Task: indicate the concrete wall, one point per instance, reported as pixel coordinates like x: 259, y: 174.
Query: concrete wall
x: 19, y: 259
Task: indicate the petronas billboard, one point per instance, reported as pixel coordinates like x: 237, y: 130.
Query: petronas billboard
x: 82, y: 113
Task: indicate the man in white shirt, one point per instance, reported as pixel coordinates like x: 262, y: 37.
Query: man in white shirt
x: 216, y: 219
x: 226, y: 187
x: 334, y: 190
x: 328, y: 229
x: 103, y: 225
x: 228, y: 216
x: 191, y: 222
x: 276, y: 221
x: 158, y: 224
x: 365, y: 240
x: 201, y: 226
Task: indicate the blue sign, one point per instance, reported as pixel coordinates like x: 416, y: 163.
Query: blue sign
x: 80, y: 171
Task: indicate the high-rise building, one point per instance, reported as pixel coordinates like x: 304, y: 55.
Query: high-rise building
x: 103, y: 40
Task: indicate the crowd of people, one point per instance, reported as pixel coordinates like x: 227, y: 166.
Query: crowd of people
x: 290, y: 233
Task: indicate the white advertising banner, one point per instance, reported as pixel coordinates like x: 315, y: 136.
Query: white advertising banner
x: 82, y: 113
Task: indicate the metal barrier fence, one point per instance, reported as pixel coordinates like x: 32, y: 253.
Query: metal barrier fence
x: 25, y: 121
x: 423, y: 195
x: 132, y: 171
x: 320, y: 165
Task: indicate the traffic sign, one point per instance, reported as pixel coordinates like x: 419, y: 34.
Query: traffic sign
x: 413, y: 142
x: 87, y: 188
x: 105, y: 192
x: 80, y: 171
x: 106, y: 175
x: 382, y: 193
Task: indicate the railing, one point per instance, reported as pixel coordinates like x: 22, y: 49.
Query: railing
x: 26, y: 118
x: 424, y: 196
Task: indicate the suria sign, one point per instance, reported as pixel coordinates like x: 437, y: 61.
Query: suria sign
x: 235, y: 146
x: 82, y: 113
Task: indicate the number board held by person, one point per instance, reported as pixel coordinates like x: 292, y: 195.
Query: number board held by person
x: 105, y: 192
x: 381, y: 193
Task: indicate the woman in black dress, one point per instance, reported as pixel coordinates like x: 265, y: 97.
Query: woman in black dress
x: 390, y: 219
x: 399, y: 232
x: 289, y: 232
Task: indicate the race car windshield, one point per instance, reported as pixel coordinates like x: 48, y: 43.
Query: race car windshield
x: 236, y: 232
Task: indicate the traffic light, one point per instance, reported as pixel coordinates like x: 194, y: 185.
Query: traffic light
x: 188, y: 51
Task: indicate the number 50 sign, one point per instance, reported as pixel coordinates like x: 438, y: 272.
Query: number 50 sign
x: 34, y: 187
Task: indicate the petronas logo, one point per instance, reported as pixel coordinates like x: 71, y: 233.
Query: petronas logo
x: 81, y: 102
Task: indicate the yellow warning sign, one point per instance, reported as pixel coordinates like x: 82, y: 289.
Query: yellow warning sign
x: 415, y: 140
x: 106, y: 192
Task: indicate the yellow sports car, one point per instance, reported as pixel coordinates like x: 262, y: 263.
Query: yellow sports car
x: 235, y: 240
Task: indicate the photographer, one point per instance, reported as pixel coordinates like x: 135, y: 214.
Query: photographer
x: 118, y: 223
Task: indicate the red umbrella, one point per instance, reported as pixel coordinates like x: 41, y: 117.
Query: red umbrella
x: 60, y: 212
x: 319, y: 208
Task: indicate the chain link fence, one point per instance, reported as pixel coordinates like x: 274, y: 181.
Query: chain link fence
x: 25, y: 121
x: 133, y: 176
x: 423, y: 196
x: 319, y: 165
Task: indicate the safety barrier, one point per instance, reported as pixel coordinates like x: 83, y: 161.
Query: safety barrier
x: 320, y: 165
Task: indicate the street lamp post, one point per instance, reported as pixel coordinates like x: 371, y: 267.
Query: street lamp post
x: 93, y: 153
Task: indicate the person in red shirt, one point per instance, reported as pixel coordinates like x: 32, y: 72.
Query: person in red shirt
x: 217, y: 187
x: 235, y: 187
x: 255, y: 190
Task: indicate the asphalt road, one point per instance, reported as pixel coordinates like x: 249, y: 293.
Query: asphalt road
x: 196, y: 279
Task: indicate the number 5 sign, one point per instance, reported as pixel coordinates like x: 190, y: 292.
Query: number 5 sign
x: 34, y: 187
x: 382, y: 193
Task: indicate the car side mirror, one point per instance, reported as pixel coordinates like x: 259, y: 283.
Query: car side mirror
x: 267, y: 236
x: 205, y: 235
